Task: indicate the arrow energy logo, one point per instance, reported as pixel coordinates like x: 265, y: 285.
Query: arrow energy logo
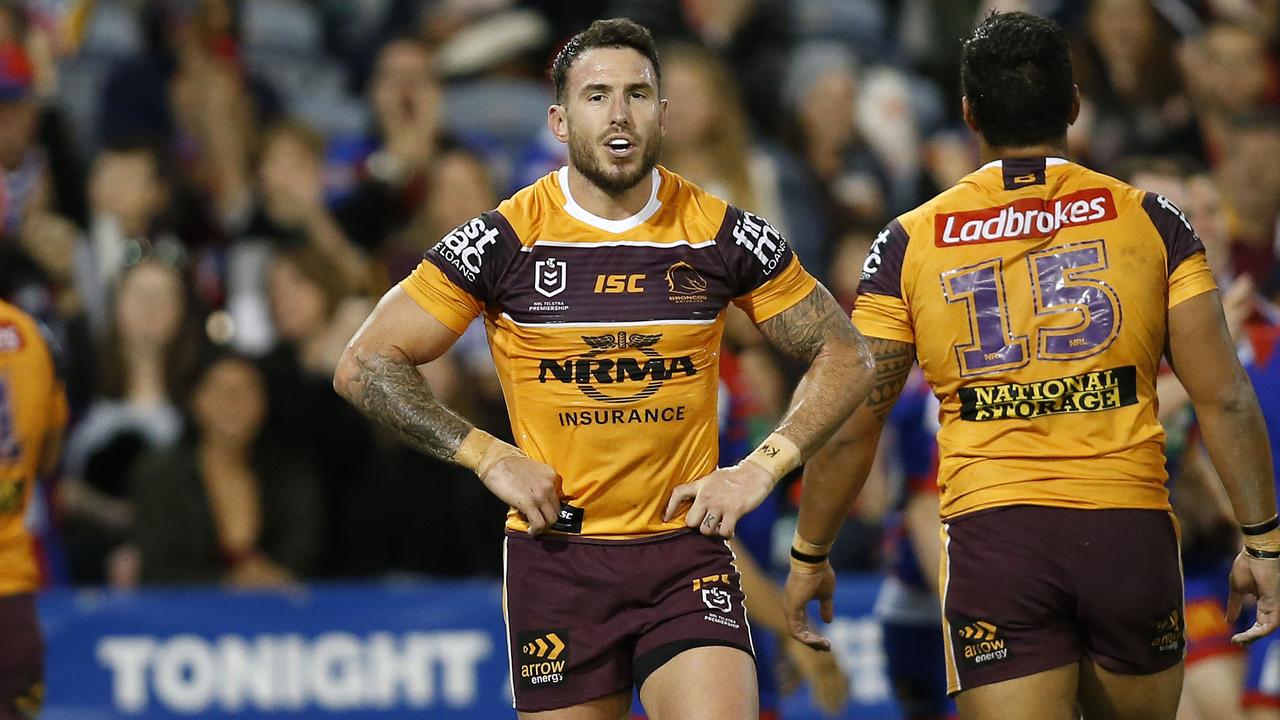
x: 543, y: 655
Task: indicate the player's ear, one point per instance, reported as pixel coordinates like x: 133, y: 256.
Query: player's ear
x: 662, y: 115
x: 967, y: 111
x: 558, y: 122
x: 1075, y: 105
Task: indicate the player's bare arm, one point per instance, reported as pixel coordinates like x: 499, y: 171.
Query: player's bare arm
x: 1204, y: 357
x: 378, y: 374
x: 832, y: 480
x: 816, y: 331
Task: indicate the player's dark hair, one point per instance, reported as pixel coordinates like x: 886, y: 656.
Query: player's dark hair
x: 611, y: 33
x: 1015, y: 69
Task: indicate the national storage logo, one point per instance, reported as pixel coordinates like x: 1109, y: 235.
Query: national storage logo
x: 1093, y: 391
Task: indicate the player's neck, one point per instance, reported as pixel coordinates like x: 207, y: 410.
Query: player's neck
x: 602, y: 204
x: 999, y: 152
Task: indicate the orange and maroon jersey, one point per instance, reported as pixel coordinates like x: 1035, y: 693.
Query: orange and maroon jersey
x: 33, y: 407
x: 606, y: 334
x: 1037, y: 292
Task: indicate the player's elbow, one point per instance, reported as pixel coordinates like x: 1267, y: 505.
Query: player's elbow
x: 347, y: 374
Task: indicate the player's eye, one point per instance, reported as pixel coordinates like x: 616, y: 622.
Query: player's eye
x: 639, y: 95
x: 596, y: 97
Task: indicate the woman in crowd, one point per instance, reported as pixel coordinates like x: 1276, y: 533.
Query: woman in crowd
x: 223, y: 505
x: 146, y: 368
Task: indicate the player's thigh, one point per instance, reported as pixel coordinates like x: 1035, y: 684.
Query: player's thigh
x: 1106, y: 695
x: 1047, y: 695
x: 703, y: 683
x: 1262, y: 713
x: 612, y: 707
x: 1211, y: 688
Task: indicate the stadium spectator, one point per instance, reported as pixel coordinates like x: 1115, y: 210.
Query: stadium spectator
x: 1130, y: 84
x: 314, y: 317
x: 1229, y: 73
x: 406, y: 100
x: 1250, y: 184
x: 130, y: 210
x: 709, y: 141
x: 820, y: 95
x: 146, y: 369
x: 223, y: 505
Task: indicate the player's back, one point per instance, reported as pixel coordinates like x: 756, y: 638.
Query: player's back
x: 1036, y: 292
x: 32, y: 407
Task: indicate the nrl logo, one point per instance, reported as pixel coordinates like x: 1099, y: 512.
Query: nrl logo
x: 550, y: 276
x: 590, y: 372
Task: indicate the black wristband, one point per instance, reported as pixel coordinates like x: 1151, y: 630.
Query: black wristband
x: 1262, y: 554
x: 1263, y: 527
x: 806, y: 557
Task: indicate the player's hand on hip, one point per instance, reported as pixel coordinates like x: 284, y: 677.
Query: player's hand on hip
x: 528, y: 486
x: 1259, y: 579
x: 808, y: 582
x: 720, y: 499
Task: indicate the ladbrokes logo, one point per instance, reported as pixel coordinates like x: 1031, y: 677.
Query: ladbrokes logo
x: 597, y: 376
x: 543, y: 656
x: 685, y: 285
x: 981, y: 643
x: 1091, y: 392
x: 1169, y: 636
x: 1022, y: 219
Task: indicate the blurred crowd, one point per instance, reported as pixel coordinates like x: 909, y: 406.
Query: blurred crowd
x: 202, y: 199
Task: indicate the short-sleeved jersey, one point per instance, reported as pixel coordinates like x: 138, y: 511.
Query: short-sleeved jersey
x: 606, y: 334
x: 1036, y: 292
x: 33, y: 407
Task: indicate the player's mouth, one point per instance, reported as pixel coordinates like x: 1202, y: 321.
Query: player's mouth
x: 620, y: 146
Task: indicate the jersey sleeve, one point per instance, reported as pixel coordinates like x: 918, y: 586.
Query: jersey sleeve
x: 879, y: 310
x: 1189, y: 273
x: 1192, y: 277
x: 765, y: 273
x: 458, y: 277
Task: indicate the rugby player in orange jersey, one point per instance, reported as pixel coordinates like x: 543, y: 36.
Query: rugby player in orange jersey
x: 1038, y: 297
x: 33, y: 413
x: 603, y: 288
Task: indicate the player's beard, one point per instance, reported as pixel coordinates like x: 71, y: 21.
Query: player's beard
x: 585, y: 157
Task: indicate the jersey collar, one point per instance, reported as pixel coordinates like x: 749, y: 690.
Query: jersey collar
x: 1048, y: 162
x: 612, y: 226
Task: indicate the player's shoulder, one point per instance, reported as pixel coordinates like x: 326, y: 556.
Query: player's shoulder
x: 17, y: 329
x: 528, y: 209
x: 20, y: 334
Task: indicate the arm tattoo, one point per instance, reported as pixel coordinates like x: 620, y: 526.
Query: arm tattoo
x: 801, y: 330
x: 390, y: 391
x: 816, y: 331
x: 893, y: 363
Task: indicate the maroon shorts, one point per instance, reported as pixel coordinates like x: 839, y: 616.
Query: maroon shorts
x: 21, y: 658
x: 1027, y: 589
x: 589, y: 618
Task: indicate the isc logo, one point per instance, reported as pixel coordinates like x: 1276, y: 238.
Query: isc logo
x: 615, y: 284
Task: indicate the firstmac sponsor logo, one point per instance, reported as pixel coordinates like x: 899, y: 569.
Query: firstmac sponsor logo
x: 1022, y: 219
